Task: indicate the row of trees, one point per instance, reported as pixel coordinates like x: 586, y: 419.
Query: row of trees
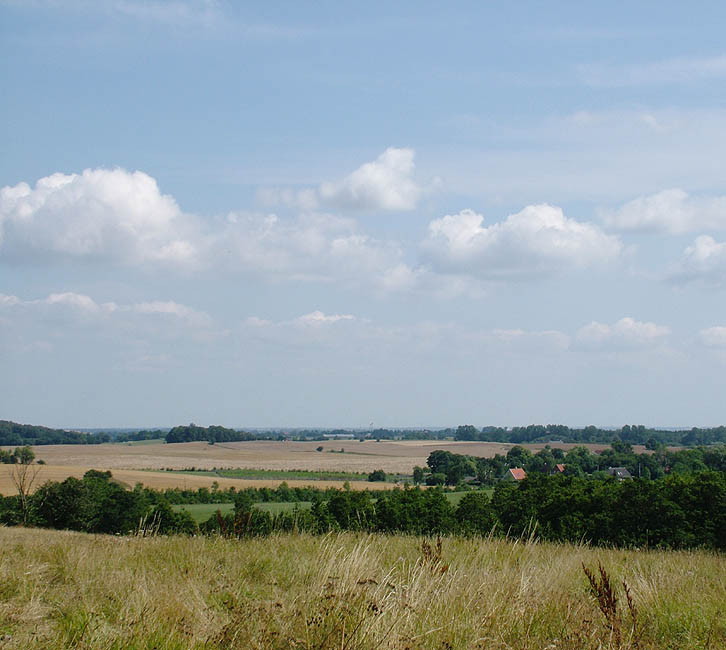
x: 94, y: 504
x: 680, y: 511
x: 448, y: 468
x: 14, y: 434
x: 20, y: 455
x: 633, y: 434
x: 214, y: 433
x: 686, y: 511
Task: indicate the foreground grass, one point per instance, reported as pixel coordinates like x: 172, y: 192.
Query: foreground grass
x: 61, y: 590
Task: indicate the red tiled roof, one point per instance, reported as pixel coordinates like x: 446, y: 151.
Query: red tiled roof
x: 518, y: 473
x: 560, y: 467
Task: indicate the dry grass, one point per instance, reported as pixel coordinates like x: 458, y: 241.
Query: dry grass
x: 392, y: 457
x: 60, y: 590
x: 161, y: 480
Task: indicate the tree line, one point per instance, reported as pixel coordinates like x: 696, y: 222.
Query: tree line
x: 214, y: 433
x: 14, y: 434
x: 633, y: 434
x: 678, y: 511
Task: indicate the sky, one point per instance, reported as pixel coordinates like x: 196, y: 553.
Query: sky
x: 330, y: 214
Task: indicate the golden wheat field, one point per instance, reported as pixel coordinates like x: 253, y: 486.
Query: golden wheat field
x: 163, y: 480
x: 356, y: 592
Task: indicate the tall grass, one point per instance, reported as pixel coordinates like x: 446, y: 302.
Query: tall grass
x: 60, y: 590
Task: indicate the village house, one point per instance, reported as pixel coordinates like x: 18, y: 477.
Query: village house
x: 620, y: 473
x: 515, y: 474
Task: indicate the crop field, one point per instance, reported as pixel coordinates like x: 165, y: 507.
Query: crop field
x: 397, y: 457
x: 280, y: 474
x: 359, y: 592
x: 161, y: 480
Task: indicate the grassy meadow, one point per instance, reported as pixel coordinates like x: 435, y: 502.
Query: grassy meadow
x: 62, y: 590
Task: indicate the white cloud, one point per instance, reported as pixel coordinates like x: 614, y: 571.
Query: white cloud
x: 672, y: 211
x: 111, y: 215
x: 384, y: 184
x: 669, y: 71
x: 703, y: 261
x: 173, y: 309
x: 119, y: 217
x: 627, y: 332
x: 84, y: 306
x: 317, y: 317
x: 317, y: 247
x: 8, y: 301
x: 539, y: 239
x: 80, y: 302
x: 713, y: 337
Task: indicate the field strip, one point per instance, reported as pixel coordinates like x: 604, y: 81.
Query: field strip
x: 161, y: 480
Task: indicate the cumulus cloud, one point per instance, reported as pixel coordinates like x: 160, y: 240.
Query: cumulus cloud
x: 626, y: 332
x: 105, y: 214
x: 539, y: 239
x: 703, y: 261
x: 120, y: 217
x: 383, y: 184
x: 318, y: 247
x: 671, y: 211
x: 319, y: 318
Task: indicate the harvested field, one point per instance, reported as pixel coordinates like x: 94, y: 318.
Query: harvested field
x: 392, y: 457
x: 162, y: 480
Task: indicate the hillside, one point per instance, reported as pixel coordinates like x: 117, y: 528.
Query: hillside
x: 60, y: 589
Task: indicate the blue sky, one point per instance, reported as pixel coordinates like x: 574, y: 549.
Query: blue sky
x: 298, y: 214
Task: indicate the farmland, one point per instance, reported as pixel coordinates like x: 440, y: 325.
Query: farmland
x: 391, y: 456
x: 258, y: 463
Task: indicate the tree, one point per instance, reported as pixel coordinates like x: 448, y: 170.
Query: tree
x: 377, y: 475
x: 418, y: 475
x: 475, y: 514
x: 23, y: 475
x: 467, y: 432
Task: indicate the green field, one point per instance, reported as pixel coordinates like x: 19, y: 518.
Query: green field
x: 202, y: 511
